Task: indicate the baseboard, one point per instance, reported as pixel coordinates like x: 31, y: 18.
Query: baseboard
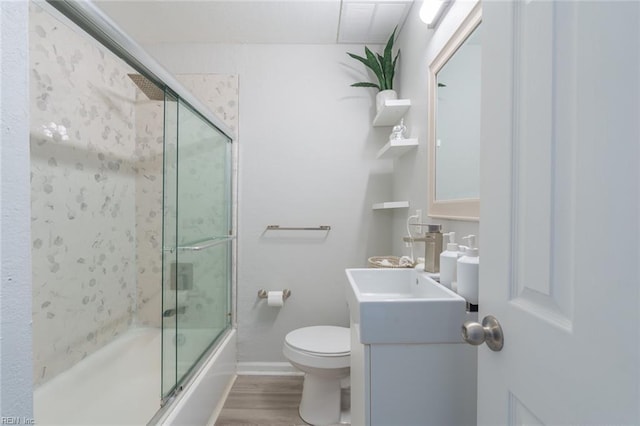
x: 267, y: 369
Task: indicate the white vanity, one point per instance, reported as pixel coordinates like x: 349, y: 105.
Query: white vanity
x: 409, y: 364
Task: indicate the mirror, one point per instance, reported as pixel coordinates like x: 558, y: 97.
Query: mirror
x: 454, y: 124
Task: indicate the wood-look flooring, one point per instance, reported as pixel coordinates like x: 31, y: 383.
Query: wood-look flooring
x: 266, y: 401
x: 263, y: 400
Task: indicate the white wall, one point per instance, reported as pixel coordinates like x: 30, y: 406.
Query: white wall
x: 419, y: 46
x: 15, y: 266
x: 306, y: 159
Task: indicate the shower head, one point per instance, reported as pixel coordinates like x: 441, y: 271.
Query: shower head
x: 150, y: 89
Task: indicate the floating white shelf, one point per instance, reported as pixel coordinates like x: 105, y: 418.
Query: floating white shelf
x: 391, y: 205
x: 391, y: 112
x: 397, y: 147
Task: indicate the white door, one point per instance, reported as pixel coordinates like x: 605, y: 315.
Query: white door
x: 560, y: 219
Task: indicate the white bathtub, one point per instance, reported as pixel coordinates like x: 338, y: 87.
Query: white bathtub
x: 204, y: 394
x: 123, y: 374
x: 120, y: 385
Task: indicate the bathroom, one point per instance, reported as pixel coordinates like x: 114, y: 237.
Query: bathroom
x: 307, y: 156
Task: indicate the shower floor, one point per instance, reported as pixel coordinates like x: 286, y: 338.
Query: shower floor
x: 118, y: 385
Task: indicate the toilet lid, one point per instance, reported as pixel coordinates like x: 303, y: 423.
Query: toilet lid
x: 324, y: 340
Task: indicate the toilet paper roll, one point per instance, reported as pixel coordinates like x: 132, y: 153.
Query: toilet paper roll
x: 274, y: 298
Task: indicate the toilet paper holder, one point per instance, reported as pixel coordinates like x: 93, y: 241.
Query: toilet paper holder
x: 262, y: 294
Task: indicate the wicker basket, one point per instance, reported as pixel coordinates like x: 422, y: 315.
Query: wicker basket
x: 374, y: 262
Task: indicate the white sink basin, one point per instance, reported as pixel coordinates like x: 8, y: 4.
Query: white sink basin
x: 403, y: 306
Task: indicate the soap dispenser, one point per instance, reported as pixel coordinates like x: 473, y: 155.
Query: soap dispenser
x: 449, y: 261
x: 467, y: 271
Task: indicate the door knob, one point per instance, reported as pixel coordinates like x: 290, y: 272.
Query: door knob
x: 489, y: 331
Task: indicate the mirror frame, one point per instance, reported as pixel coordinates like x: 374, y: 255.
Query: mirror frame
x: 460, y: 209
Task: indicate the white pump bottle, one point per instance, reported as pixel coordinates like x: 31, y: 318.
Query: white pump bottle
x: 468, y: 272
x: 449, y: 261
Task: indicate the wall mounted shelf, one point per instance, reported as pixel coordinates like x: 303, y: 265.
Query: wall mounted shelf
x: 391, y: 205
x: 391, y: 113
x: 397, y: 147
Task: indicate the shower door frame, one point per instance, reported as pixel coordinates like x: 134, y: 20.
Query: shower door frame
x: 175, y: 246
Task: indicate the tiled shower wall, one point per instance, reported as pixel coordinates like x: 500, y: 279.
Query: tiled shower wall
x: 148, y: 180
x: 83, y: 196
x: 96, y: 148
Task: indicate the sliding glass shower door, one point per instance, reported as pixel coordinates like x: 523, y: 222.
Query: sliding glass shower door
x: 197, y: 240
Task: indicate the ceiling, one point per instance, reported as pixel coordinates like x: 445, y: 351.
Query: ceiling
x: 258, y: 21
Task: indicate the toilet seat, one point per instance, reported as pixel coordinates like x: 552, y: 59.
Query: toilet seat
x: 324, y: 347
x: 323, y: 340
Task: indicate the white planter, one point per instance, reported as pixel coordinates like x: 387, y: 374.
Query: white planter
x: 383, y: 96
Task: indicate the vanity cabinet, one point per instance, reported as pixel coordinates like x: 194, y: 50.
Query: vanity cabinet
x: 412, y: 384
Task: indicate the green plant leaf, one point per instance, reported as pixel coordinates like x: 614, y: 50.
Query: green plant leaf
x: 389, y: 46
x: 385, y: 70
x: 388, y: 64
x: 383, y: 66
x: 393, y: 69
x: 365, y: 84
x: 375, y: 66
x: 359, y: 58
x: 370, y: 62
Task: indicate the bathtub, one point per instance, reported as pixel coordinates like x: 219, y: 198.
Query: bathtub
x: 204, y: 393
x: 126, y: 374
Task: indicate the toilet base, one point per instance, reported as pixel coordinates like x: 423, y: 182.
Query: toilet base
x: 320, y: 404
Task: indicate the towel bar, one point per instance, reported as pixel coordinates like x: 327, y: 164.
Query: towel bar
x: 287, y: 228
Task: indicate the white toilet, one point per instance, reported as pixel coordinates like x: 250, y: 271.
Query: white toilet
x: 323, y: 354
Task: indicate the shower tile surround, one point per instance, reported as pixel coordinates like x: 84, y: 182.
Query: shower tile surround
x: 83, y: 197
x: 148, y: 154
x: 96, y: 148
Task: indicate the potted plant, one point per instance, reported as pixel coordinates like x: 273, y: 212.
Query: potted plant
x: 383, y: 66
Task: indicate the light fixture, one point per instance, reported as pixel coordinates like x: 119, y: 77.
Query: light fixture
x: 432, y: 11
